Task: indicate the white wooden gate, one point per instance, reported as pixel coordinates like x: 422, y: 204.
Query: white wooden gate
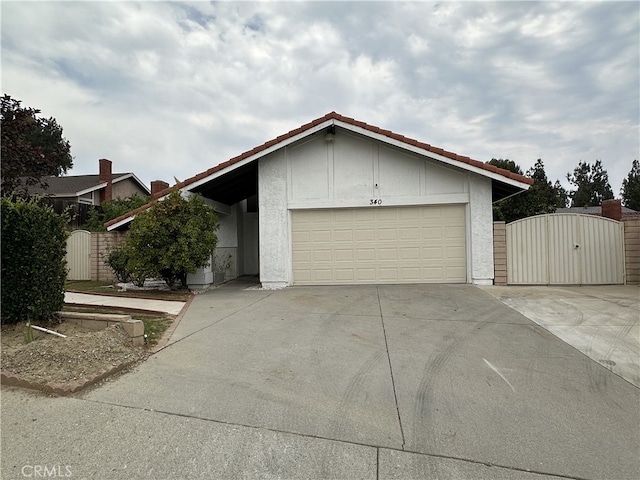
x: 79, y: 255
x: 565, y: 249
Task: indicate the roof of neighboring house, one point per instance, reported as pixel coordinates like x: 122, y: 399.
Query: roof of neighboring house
x: 627, y: 213
x: 334, y: 118
x: 74, y: 185
x: 590, y: 210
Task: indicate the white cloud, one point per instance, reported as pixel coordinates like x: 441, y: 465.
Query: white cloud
x: 171, y: 89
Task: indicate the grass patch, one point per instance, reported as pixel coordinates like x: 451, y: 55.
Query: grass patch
x: 108, y: 288
x: 154, y: 324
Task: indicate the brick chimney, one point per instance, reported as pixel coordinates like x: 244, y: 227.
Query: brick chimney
x: 156, y: 187
x: 106, y: 175
x: 612, y: 209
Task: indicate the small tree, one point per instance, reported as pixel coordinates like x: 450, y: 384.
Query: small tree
x: 32, y: 147
x: 631, y: 187
x: 172, y: 238
x: 33, y: 260
x: 592, y: 185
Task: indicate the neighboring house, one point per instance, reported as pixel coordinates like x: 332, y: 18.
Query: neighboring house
x: 625, y: 212
x: 83, y: 191
x: 338, y: 201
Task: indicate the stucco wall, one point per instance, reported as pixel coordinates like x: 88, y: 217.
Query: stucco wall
x: 480, y: 237
x: 351, y: 171
x: 126, y: 188
x: 273, y: 220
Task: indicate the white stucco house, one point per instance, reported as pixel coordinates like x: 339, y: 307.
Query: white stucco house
x: 338, y: 201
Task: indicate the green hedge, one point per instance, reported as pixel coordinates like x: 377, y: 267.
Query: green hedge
x: 33, y: 260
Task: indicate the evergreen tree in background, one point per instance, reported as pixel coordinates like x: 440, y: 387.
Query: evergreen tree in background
x: 592, y: 185
x: 542, y: 196
x: 630, y: 191
x: 32, y: 147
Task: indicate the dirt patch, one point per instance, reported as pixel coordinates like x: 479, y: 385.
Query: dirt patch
x: 77, y: 359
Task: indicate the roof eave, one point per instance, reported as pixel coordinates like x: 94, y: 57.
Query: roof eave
x: 257, y: 155
x: 91, y: 189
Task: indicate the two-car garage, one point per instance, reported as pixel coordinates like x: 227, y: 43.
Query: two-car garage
x: 413, y: 244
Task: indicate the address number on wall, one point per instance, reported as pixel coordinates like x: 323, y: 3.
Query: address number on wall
x: 375, y: 201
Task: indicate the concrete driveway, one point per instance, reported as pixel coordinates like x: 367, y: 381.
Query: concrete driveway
x: 603, y: 321
x: 429, y: 381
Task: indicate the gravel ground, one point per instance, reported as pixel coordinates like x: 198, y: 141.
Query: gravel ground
x: 49, y: 358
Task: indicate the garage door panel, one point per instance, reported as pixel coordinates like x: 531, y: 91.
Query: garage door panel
x: 380, y: 245
x: 343, y: 235
x: 344, y: 255
x: 409, y: 234
x: 432, y: 253
x: 386, y: 254
x: 431, y: 232
x: 411, y: 273
x: 386, y: 234
x: 322, y: 256
x: 301, y: 256
x: 366, y: 274
x: 412, y: 253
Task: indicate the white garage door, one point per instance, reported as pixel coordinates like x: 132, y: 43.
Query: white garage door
x: 379, y: 245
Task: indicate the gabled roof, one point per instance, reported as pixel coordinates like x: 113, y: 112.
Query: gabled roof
x: 75, y: 185
x: 335, y: 119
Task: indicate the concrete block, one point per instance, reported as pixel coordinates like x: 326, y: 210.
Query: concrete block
x: 99, y: 321
x: 135, y: 328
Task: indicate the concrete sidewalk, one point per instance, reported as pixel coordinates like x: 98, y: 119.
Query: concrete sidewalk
x: 165, y: 306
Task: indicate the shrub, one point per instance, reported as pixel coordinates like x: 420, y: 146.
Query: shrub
x: 172, y: 238
x: 33, y: 260
x: 117, y: 260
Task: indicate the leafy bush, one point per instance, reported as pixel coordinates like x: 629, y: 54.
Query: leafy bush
x: 33, y: 260
x: 117, y: 260
x: 172, y: 238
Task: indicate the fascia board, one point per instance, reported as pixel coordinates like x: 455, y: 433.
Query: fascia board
x: 91, y: 189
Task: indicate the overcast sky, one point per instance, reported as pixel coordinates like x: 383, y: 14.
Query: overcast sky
x: 172, y: 89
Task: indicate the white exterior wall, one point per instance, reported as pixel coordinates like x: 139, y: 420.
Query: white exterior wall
x: 353, y: 171
x: 273, y: 220
x: 227, y: 234
x: 480, y: 233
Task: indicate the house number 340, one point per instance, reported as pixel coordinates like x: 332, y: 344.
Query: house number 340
x: 375, y: 201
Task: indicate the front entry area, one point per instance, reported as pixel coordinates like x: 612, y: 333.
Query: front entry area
x: 417, y: 244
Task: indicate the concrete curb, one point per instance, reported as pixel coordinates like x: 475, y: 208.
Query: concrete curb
x: 168, y: 333
x: 63, y: 389
x: 141, y: 297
